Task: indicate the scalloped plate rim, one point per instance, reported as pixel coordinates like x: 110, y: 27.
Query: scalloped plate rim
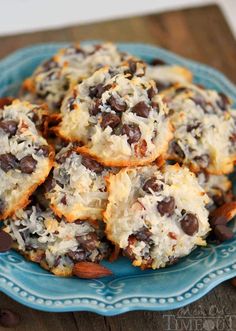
x: 118, y: 311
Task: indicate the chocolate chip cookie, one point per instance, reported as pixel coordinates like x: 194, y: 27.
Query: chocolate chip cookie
x: 56, y: 245
x: 78, y: 189
x: 218, y: 188
x: 166, y: 75
x: 118, y: 116
x: 25, y: 157
x: 52, y: 80
x: 156, y: 216
x: 205, y: 129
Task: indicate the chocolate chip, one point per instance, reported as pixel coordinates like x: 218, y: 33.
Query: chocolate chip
x: 95, y: 49
x: 55, y: 105
x: 181, y: 89
x: 9, y: 126
x: 158, y: 62
x: 111, y: 120
x: 199, y: 100
x: 88, y: 242
x: 143, y: 234
x: 223, y: 102
x: 222, y: 232
x: 2, y: 206
x: 232, y: 138
x: 79, y: 50
x: 202, y: 160
x: 106, y: 87
x: 141, y: 109
x: 151, y: 92
x: 151, y: 184
x: 98, y: 90
x: 63, y: 200
x: 57, y: 261
x: 50, y: 64
x: 28, y: 164
x: 92, y: 164
x: 192, y: 127
x: 201, y: 86
x: 189, y: 224
x: 166, y: 206
x: 6, y: 101
x: 218, y: 200
x: 128, y: 251
x: 35, y: 117
x: 117, y: 105
x: 77, y: 256
x: 95, y: 90
x: 177, y: 149
x: 155, y: 106
x: 112, y: 72
x: 5, y: 241
x: 132, y: 131
x: 161, y: 85
x: 172, y: 260
x: 95, y: 109
x: 183, y: 212
x: 43, y: 150
x: 70, y: 103
x: 8, y: 318
x: 132, y: 66
x: 66, y: 85
x: 8, y: 162
x: 79, y: 222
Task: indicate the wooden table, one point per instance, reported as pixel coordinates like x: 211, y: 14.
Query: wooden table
x: 201, y: 34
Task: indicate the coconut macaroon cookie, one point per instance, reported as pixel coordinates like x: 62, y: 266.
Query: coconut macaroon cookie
x: 56, y: 245
x: 218, y: 188
x: 78, y: 189
x: 118, y: 116
x: 205, y: 129
x: 166, y: 75
x: 37, y: 114
x: 51, y: 80
x: 156, y: 216
x: 25, y: 158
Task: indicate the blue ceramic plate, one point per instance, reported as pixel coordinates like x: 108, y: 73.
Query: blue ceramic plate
x: 129, y: 288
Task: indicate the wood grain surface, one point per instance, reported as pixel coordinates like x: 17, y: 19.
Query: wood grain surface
x: 201, y: 34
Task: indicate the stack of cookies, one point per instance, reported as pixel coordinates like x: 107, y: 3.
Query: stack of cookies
x: 106, y: 154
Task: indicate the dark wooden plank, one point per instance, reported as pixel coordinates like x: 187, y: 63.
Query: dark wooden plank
x: 220, y: 304
x: 90, y: 321
x: 32, y: 320
x: 200, y: 33
x: 203, y: 35
x: 217, y: 308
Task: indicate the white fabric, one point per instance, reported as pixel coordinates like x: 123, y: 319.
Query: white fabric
x: 31, y: 15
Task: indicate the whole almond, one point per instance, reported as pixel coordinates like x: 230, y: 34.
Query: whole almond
x: 90, y: 270
x: 223, y: 214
